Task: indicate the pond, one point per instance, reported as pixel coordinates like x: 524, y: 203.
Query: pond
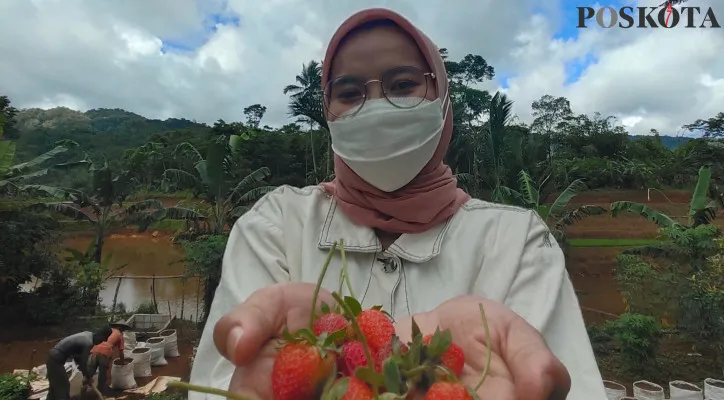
x: 144, y: 255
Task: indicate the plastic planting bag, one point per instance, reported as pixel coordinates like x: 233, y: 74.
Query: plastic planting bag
x: 141, y: 362
x: 681, y: 390
x: 614, y: 390
x: 171, y: 347
x: 158, y: 347
x: 122, y: 374
x: 713, y: 389
x: 645, y: 390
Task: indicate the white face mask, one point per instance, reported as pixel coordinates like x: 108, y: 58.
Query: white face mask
x: 388, y: 146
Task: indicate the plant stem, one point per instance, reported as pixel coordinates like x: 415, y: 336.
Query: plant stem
x: 319, y: 284
x: 345, y: 271
x: 203, y: 389
x: 487, y: 344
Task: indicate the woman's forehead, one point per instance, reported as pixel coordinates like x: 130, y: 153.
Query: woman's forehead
x: 369, y: 53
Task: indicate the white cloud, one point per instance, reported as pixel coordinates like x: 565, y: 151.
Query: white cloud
x: 87, y: 54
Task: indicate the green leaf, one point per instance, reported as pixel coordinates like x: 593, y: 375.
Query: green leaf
x: 370, y: 376
x: 353, y: 305
x: 325, y: 308
x: 415, y: 330
x: 393, y: 379
x: 439, y: 344
x: 335, y: 390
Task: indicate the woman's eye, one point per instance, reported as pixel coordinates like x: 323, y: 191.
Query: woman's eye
x: 403, y: 85
x: 348, y: 95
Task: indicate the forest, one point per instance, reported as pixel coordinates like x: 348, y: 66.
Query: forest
x: 647, y: 204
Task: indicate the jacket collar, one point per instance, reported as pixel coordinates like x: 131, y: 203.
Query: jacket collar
x: 414, y: 247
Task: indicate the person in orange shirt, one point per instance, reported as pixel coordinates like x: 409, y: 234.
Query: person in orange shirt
x: 101, y: 355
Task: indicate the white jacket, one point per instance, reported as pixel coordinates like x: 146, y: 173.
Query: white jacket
x: 500, y: 252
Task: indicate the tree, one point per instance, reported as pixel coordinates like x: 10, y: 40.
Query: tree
x: 254, y: 114
x: 7, y: 119
x: 213, y: 175
x: 702, y: 210
x: 557, y: 216
x: 712, y: 127
x: 101, y: 208
x: 14, y: 176
x: 306, y: 103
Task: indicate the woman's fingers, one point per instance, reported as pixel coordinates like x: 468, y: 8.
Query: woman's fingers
x: 536, y: 370
x: 240, y: 334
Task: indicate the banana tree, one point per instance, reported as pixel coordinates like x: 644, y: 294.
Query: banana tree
x: 104, y: 206
x: 705, y: 201
x: 12, y: 176
x: 558, y: 216
x: 213, y: 175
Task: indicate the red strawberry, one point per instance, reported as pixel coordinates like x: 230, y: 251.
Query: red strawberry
x: 447, y: 391
x: 298, y: 372
x: 329, y: 323
x: 351, y: 356
x: 453, y: 358
x: 358, y: 390
x: 376, y: 327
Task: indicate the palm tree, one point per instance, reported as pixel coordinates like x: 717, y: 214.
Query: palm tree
x: 212, y: 175
x: 306, y: 103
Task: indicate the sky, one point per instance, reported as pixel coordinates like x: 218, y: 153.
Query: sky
x: 208, y: 59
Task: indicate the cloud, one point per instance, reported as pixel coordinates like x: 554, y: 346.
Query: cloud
x: 209, y: 59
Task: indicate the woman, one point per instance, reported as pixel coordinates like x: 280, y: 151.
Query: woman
x: 415, y: 243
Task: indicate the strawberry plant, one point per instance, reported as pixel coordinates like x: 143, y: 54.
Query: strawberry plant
x: 351, y: 353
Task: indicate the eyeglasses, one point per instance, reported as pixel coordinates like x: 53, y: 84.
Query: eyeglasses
x: 403, y: 87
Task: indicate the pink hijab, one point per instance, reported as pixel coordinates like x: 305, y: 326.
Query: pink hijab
x: 432, y: 196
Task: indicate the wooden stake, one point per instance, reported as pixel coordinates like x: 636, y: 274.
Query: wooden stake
x: 115, y: 298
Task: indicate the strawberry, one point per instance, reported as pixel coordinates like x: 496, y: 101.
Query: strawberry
x: 299, y: 371
x: 447, y: 391
x: 351, y: 356
x: 358, y: 390
x: 329, y: 323
x: 453, y: 358
x: 376, y: 327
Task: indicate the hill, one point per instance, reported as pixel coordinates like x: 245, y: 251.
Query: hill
x: 670, y: 142
x: 102, y: 132
x: 109, y: 132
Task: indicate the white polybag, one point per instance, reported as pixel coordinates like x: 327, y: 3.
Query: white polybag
x: 158, y: 347
x: 141, y: 362
x: 122, y: 374
x: 614, y: 390
x: 681, y: 390
x: 171, y: 344
x: 645, y: 390
x: 713, y: 389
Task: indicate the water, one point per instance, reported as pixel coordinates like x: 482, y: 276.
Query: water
x: 145, y: 254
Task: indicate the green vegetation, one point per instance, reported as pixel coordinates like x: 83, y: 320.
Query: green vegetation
x: 102, y: 170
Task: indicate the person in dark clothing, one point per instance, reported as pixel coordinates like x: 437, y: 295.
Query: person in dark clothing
x: 77, y: 347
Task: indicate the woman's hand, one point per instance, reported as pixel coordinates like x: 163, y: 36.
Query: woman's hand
x: 521, y: 366
x: 247, y: 335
